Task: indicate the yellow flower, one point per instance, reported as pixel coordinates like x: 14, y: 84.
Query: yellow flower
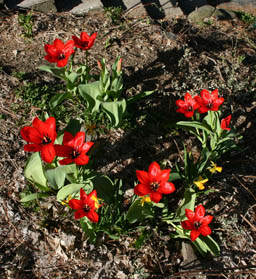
x: 214, y: 168
x: 200, y: 183
x: 144, y: 199
x: 97, y: 204
x: 65, y: 202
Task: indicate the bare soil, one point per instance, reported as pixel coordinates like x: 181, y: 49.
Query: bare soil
x: 170, y: 56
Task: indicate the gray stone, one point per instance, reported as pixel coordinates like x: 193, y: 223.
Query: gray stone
x: 86, y: 6
x: 223, y: 14
x: 248, y: 6
x: 37, y: 5
x: 201, y: 13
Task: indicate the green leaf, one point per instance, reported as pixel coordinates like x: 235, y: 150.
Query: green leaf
x: 88, y: 229
x: 194, y: 124
x: 135, y: 212
x: 34, y: 172
x: 59, y: 98
x: 72, y: 77
x: 89, y: 93
x: 174, y: 176
x: 212, y: 245
x: 56, y: 177
x: 104, y: 187
x: 67, y: 190
x: 58, y: 72
x: 114, y: 111
x: 34, y: 196
x: 139, y: 96
x: 188, y: 202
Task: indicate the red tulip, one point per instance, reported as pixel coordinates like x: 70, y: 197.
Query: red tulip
x: 197, y: 222
x: 85, y: 42
x: 85, y: 206
x: 154, y: 182
x: 225, y: 123
x: 188, y: 106
x: 208, y: 101
x: 74, y: 149
x: 59, y: 52
x: 41, y: 137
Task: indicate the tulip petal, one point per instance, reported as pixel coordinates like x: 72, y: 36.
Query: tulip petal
x: 143, y: 189
x: 164, y: 175
x: 87, y: 146
x: 205, y: 230
x: 75, y: 204
x: 194, y: 234
x: 155, y: 196
x: 62, y: 150
x: 32, y: 147
x: 92, y: 216
x: 142, y: 176
x: 187, y: 225
x: 66, y: 161
x: 206, y: 220
x: 80, y: 214
x: 81, y: 160
x: 154, y: 172
x: 190, y: 214
x: 199, y: 212
x: 48, y: 153
x: 67, y: 137
x: 166, y: 188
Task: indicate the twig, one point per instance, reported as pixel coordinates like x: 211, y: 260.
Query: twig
x: 248, y: 222
x: 246, y: 188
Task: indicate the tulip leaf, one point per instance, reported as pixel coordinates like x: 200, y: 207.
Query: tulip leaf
x: 73, y: 126
x: 135, y: 212
x: 72, y: 77
x: 58, y: 99
x: 174, y: 176
x: 67, y: 190
x: 56, y: 177
x: 88, y: 229
x: 114, y: 111
x: 139, y: 96
x: 194, y: 124
x: 34, y: 196
x: 104, y: 187
x: 212, y: 245
x: 58, y: 72
x: 188, y: 202
x: 89, y: 93
x: 34, y: 172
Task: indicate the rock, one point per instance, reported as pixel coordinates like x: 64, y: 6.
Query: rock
x: 223, y: 14
x: 37, y: 5
x: 248, y: 6
x: 86, y: 6
x: 201, y: 13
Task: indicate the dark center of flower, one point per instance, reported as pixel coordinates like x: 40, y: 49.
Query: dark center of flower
x: 197, y: 225
x: 209, y: 105
x: 154, y: 186
x: 190, y: 108
x: 46, y: 140
x: 86, y: 208
x: 61, y: 56
x: 74, y: 153
x: 84, y: 44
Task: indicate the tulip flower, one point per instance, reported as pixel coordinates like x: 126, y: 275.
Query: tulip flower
x: 74, y: 149
x: 197, y: 222
x: 59, y: 52
x: 225, y: 123
x: 208, y: 101
x: 188, y: 106
x: 85, y: 206
x: 154, y: 182
x: 85, y: 42
x: 41, y: 136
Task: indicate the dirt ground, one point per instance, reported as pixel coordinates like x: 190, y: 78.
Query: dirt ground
x: 170, y: 57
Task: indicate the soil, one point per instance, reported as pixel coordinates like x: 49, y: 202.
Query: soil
x: 170, y: 56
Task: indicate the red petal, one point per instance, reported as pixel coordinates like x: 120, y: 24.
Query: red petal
x: 189, y: 114
x: 199, y: 212
x: 48, y: 153
x: 31, y: 134
x: 81, y: 160
x: 32, y: 147
x: 80, y: 214
x: 187, y: 97
x: 206, y: 220
x: 180, y: 103
x: 52, y: 51
x: 164, y: 175
x: 62, y: 62
x: 187, y: 225
x: 92, y: 194
x: 205, y: 230
x: 66, y: 161
x: 143, y: 189
x: 137, y: 192
x: 83, y: 196
x: 67, y: 137
x: 58, y: 44
x: 194, y: 234
x: 87, y: 145
x: 166, y: 188
x: 62, y: 150
x: 142, y: 176
x: 154, y: 172
x: 75, y: 204
x: 50, y: 123
x: 84, y: 37
x: 215, y: 94
x: 155, y: 196
x: 190, y: 214
x: 78, y: 140
x: 92, y: 216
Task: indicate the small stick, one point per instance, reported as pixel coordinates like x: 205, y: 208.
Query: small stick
x: 246, y: 188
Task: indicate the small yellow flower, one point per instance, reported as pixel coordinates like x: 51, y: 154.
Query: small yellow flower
x: 65, y: 202
x: 214, y: 168
x: 144, y: 199
x: 200, y: 183
x: 97, y: 204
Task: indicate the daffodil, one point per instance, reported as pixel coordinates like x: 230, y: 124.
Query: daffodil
x: 145, y: 199
x: 200, y: 183
x: 214, y: 168
x: 65, y: 202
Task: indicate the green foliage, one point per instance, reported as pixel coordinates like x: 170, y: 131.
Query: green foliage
x: 26, y: 22
x: 246, y: 17
x: 114, y: 13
